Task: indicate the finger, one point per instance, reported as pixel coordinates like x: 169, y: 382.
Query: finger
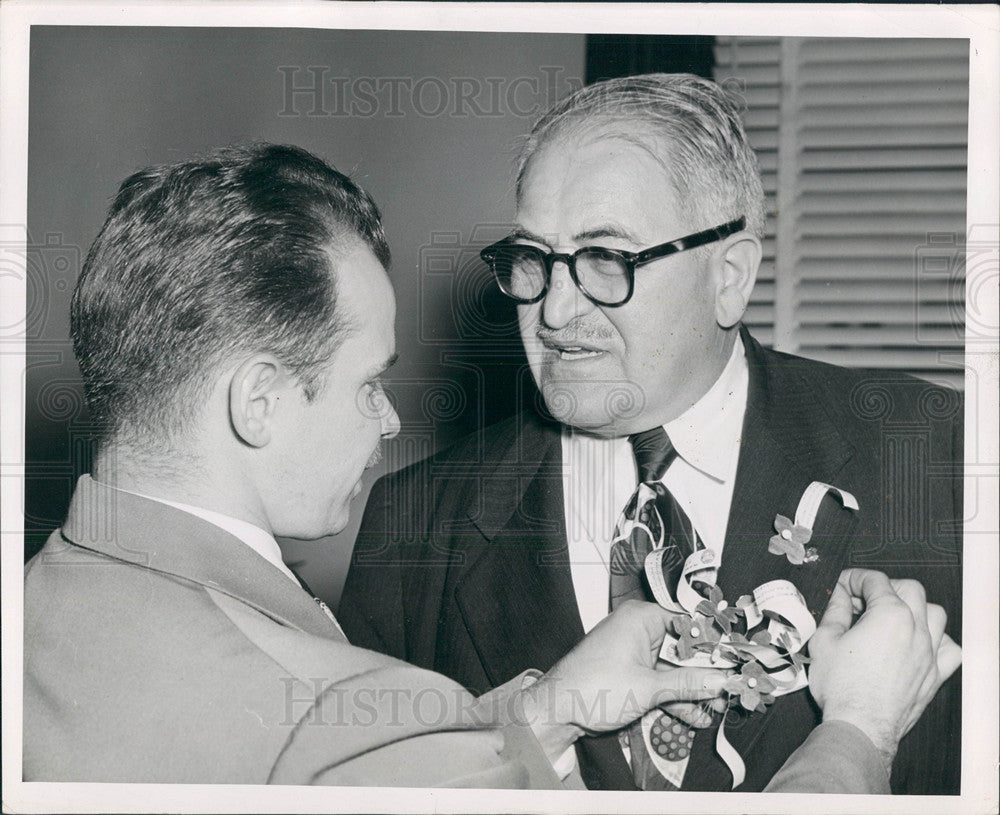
x: 719, y: 705
x: 871, y: 586
x: 937, y: 618
x: 686, y: 685
x: 652, y: 617
x: 949, y: 657
x: 691, y: 713
x: 912, y: 593
x: 835, y: 621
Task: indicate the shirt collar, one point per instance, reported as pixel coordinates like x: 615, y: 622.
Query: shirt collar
x: 260, y: 540
x: 707, y: 434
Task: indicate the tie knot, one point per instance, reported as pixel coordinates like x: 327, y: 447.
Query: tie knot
x: 653, y: 453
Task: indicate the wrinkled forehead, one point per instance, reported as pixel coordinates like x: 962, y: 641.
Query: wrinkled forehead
x: 626, y: 145
x: 575, y: 133
x: 592, y: 176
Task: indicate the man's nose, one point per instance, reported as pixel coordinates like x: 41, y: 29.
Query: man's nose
x: 390, y: 422
x: 563, y: 301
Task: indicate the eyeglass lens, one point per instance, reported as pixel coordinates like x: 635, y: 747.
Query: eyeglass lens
x: 521, y: 273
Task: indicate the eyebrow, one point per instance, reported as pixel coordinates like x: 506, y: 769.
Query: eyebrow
x: 520, y: 233
x: 609, y: 230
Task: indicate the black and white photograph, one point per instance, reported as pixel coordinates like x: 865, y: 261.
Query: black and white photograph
x: 500, y: 407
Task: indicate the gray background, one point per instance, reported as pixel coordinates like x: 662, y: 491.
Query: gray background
x: 106, y: 101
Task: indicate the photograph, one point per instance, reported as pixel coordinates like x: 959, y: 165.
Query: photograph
x: 515, y: 407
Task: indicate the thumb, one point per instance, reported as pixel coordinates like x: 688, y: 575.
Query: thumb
x: 684, y: 685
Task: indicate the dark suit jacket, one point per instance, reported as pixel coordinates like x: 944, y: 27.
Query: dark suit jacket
x: 461, y: 564
x: 159, y: 648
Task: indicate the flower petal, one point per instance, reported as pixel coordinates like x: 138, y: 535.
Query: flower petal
x: 796, y: 553
x: 749, y: 698
x: 782, y: 523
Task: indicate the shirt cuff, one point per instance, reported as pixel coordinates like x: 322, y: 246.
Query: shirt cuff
x: 566, y: 763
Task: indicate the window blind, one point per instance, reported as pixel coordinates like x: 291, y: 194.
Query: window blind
x: 862, y: 147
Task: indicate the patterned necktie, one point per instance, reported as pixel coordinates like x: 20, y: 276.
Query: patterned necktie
x: 652, y: 519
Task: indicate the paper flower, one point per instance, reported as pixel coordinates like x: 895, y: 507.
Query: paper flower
x: 753, y: 686
x: 791, y: 541
x: 695, y: 633
x: 716, y: 606
x: 799, y: 661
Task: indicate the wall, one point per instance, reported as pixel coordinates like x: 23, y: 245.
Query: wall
x: 427, y: 122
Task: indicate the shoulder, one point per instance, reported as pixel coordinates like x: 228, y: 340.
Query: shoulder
x: 863, y: 395
x: 73, y: 591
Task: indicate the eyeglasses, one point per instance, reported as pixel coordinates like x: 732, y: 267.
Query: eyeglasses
x: 605, y: 276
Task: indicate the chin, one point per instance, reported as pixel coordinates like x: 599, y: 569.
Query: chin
x: 603, y: 408
x: 320, y: 529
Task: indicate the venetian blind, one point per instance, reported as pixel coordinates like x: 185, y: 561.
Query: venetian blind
x: 862, y: 146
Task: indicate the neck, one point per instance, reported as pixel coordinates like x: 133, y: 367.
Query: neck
x: 185, y: 479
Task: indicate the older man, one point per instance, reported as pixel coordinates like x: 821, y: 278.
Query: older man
x: 640, y: 214
x: 232, y: 323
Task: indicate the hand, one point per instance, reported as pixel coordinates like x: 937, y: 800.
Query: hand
x: 611, y: 678
x: 880, y: 673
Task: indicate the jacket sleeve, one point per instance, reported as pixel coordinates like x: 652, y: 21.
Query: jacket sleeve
x: 836, y: 757
x: 400, y: 726
x: 350, y: 716
x: 395, y: 726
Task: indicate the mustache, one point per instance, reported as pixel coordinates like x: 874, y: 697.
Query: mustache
x: 375, y: 457
x: 573, y: 332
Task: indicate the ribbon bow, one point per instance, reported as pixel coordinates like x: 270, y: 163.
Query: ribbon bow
x: 761, y: 636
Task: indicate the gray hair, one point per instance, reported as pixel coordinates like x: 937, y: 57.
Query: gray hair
x: 692, y: 122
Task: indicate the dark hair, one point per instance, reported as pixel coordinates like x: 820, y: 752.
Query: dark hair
x: 201, y: 259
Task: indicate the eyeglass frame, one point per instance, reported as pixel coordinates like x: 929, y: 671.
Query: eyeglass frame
x: 630, y: 260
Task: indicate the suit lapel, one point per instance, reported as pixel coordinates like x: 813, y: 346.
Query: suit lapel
x: 788, y: 441
x: 517, y: 586
x: 516, y: 596
x: 164, y: 539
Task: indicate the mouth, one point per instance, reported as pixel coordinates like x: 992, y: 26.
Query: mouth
x: 573, y: 354
x: 571, y: 351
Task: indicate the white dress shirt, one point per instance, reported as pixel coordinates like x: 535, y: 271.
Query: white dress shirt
x: 599, y: 475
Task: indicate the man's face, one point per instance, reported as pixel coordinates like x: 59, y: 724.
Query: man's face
x: 328, y: 443
x: 617, y: 370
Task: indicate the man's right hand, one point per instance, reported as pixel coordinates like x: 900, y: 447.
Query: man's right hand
x: 611, y: 678
x: 881, y: 672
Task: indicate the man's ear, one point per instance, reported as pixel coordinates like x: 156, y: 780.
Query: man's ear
x: 254, y: 393
x: 740, y: 260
